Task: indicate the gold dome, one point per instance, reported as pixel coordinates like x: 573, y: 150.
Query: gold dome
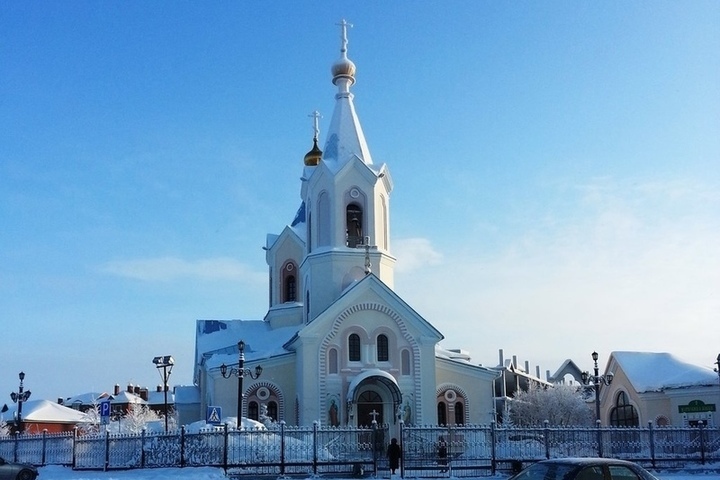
x: 312, y: 158
x: 343, y: 68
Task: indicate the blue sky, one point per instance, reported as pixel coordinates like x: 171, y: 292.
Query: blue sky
x: 556, y: 169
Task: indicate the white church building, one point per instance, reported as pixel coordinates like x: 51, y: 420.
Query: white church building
x: 337, y: 344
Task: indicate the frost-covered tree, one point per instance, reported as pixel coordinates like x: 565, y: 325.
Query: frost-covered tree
x: 559, y: 405
x: 4, y: 428
x: 137, y: 417
x: 93, y: 420
x: 264, y: 418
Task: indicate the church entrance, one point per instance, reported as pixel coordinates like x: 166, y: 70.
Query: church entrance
x: 369, y: 405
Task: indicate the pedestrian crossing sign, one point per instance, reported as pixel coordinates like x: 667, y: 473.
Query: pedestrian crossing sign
x: 214, y: 415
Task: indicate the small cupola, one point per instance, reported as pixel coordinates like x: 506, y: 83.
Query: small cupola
x: 313, y: 157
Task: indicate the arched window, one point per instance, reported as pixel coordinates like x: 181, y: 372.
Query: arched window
x: 307, y: 304
x: 354, y: 225
x: 442, y: 413
x: 253, y: 410
x: 405, y: 362
x: 332, y: 361
x: 383, y: 352
x: 289, y: 287
x: 354, y: 347
x: 459, y: 413
x: 272, y: 410
x: 623, y: 414
x: 323, y: 219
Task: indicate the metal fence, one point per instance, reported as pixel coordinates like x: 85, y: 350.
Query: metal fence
x: 472, y: 450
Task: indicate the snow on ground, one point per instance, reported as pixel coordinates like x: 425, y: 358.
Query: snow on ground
x: 54, y: 472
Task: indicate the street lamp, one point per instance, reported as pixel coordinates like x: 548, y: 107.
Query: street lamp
x: 717, y: 369
x: 19, y: 397
x: 166, y: 363
x: 597, y: 380
x: 240, y: 372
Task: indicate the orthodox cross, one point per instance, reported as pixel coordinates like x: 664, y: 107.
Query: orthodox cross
x: 374, y: 414
x: 366, y: 245
x: 316, y: 129
x: 344, y: 26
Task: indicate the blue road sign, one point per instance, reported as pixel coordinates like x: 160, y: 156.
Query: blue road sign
x: 214, y: 415
x: 105, y: 411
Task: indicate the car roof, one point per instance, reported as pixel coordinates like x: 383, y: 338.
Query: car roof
x: 586, y: 460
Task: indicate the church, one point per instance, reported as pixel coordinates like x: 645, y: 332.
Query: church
x: 338, y: 346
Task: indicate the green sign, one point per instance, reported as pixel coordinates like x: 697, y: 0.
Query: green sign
x: 696, y: 406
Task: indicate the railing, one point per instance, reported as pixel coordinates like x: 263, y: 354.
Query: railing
x: 471, y: 450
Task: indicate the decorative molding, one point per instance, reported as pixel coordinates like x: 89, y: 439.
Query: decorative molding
x: 334, y: 332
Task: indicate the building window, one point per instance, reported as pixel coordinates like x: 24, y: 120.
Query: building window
x: 332, y: 361
x: 623, y: 414
x: 442, y: 413
x: 272, y: 410
x: 459, y: 413
x: 289, y: 282
x: 405, y: 362
x: 290, y: 291
x: 383, y: 352
x: 354, y: 348
x: 253, y: 410
x: 354, y: 225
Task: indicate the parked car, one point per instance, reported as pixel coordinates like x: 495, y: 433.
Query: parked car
x: 584, y: 469
x: 17, y: 471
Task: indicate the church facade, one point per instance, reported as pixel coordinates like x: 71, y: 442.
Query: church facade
x: 337, y: 344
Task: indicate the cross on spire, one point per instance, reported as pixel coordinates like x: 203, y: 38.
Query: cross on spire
x: 366, y: 245
x: 344, y: 26
x: 316, y: 125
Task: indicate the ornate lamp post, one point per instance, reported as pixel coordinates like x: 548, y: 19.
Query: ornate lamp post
x: 166, y: 363
x: 240, y: 372
x: 596, y: 381
x: 19, y: 397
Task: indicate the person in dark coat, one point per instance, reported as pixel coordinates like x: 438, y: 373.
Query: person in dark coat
x: 394, y: 455
x: 442, y: 453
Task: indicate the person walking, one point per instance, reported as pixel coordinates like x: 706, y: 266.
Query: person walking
x: 394, y: 453
x: 442, y: 453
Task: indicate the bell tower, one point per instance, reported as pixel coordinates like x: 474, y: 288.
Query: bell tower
x: 347, y: 202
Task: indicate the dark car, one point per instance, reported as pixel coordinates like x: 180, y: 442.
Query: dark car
x: 584, y: 469
x: 17, y: 471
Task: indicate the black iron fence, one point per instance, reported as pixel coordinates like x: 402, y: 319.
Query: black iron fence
x: 428, y: 451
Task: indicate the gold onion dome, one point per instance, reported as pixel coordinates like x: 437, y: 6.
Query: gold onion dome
x: 312, y: 158
x: 343, y: 68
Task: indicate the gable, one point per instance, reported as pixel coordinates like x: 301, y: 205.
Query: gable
x: 368, y: 303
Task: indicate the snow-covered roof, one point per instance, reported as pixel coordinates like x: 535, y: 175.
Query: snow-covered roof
x: 126, y: 397
x: 45, y: 411
x: 457, y: 355
x: 655, y: 372
x: 219, y: 339
x: 85, y: 398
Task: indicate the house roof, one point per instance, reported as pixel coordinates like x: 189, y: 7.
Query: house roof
x: 45, y: 411
x: 655, y: 372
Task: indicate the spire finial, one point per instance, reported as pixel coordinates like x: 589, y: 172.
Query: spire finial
x: 313, y: 157
x: 344, y: 26
x: 316, y: 128
x: 344, y: 68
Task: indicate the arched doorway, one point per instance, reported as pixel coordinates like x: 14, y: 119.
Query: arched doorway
x: 373, y: 394
x: 369, y: 407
